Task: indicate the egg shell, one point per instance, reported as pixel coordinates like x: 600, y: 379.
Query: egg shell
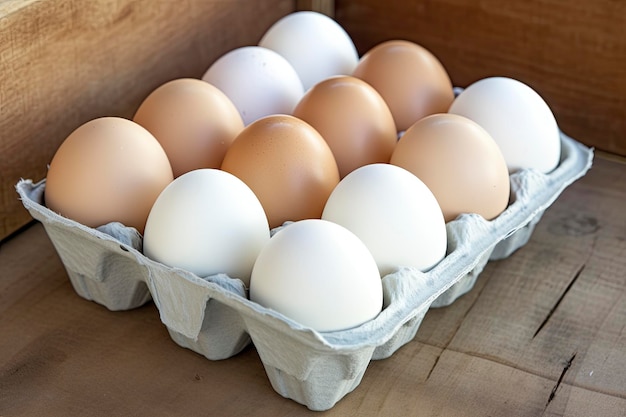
x: 258, y: 81
x: 352, y: 118
x: 459, y: 162
x: 517, y: 118
x: 314, y: 44
x: 108, y: 169
x: 394, y: 213
x: 411, y: 80
x: 287, y: 164
x: 194, y: 122
x: 320, y: 274
x: 207, y: 221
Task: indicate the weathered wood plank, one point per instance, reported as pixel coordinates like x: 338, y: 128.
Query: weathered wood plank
x: 322, y: 6
x: 565, y: 293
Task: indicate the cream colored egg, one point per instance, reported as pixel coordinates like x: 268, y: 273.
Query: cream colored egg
x: 352, y: 118
x: 107, y: 170
x: 459, y: 162
x: 194, y: 122
x: 410, y: 78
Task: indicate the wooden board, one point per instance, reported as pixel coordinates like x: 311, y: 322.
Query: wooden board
x: 573, y: 52
x: 541, y: 333
x: 64, y: 62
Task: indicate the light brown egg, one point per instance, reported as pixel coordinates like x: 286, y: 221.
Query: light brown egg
x: 353, y: 119
x: 194, y: 122
x: 287, y: 164
x: 411, y: 80
x: 109, y: 169
x: 460, y: 163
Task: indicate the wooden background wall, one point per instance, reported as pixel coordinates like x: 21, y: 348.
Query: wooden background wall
x: 63, y: 62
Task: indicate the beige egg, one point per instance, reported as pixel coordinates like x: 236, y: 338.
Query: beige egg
x: 194, y: 122
x: 287, y: 164
x: 411, y: 80
x: 353, y: 119
x: 109, y: 169
x: 459, y: 162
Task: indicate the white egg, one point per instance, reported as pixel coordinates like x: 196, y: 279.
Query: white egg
x: 258, y: 81
x: 518, y: 119
x: 318, y: 274
x: 394, y: 213
x: 316, y: 46
x: 207, y: 221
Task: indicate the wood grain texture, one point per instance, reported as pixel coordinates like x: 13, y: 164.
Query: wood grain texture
x: 541, y: 333
x: 326, y: 7
x: 64, y: 62
x: 573, y: 52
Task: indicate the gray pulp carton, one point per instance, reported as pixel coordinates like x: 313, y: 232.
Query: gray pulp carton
x: 213, y: 316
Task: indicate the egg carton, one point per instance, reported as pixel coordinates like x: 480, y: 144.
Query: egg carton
x: 213, y: 316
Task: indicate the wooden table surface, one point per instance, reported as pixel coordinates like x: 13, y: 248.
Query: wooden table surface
x: 541, y: 333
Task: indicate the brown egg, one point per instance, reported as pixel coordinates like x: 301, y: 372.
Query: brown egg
x: 353, y: 119
x: 194, y: 122
x: 460, y: 163
x: 109, y: 169
x: 287, y: 164
x: 411, y: 80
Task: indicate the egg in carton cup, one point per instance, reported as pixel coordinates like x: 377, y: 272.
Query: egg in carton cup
x: 214, y: 317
